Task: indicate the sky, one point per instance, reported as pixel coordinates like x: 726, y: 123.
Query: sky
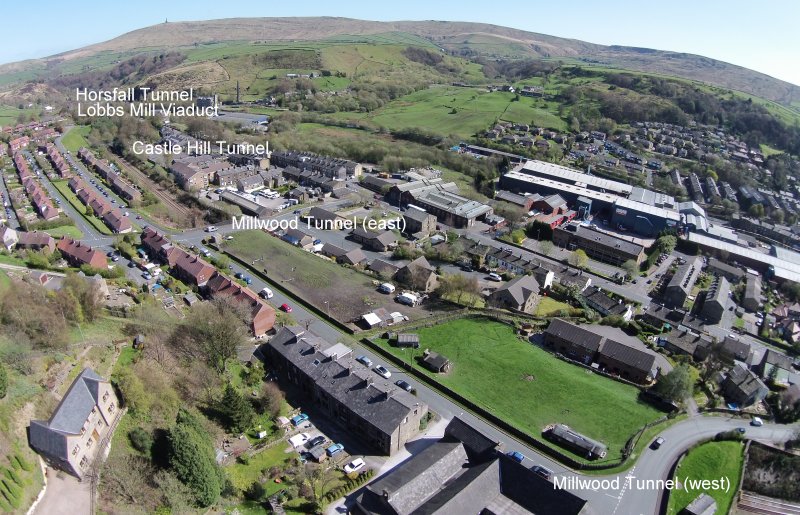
x: 763, y: 36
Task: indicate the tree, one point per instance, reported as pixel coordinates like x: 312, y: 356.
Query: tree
x: 271, y: 399
x: 128, y: 478
x: 630, y: 268
x: 676, y: 386
x: 3, y: 381
x: 756, y: 211
x: 666, y: 244
x: 546, y: 247
x: 212, y: 333
x: 191, y: 456
x: 579, y: 259
x: 237, y: 412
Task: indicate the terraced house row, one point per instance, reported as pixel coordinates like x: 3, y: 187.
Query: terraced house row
x: 103, y: 168
x: 194, y: 271
x: 39, y: 198
x: 113, y: 217
x: 57, y: 160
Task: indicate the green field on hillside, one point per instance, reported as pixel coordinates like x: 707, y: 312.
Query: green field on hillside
x: 75, y: 138
x: 9, y: 114
x: 529, y: 387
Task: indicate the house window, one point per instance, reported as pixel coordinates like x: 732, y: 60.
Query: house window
x: 84, y: 462
x: 111, y: 408
x: 89, y: 442
x: 83, y: 431
x: 105, y: 397
x: 99, y: 422
x: 75, y: 450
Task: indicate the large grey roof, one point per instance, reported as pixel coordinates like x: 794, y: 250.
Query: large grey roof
x: 574, y: 334
x: 69, y: 416
x: 634, y: 358
x: 521, y: 287
x: 344, y: 379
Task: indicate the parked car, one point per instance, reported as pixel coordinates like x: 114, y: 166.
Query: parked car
x: 115, y: 258
x: 364, y: 361
x: 298, y: 440
x: 334, y: 449
x: 317, y: 440
x: 228, y: 237
x: 658, y: 442
x: 543, y: 472
x: 757, y: 422
x: 382, y: 371
x: 405, y: 385
x: 239, y: 275
x: 286, y: 308
x: 299, y: 419
x: 741, y: 430
x: 265, y: 293
x: 146, y: 276
x: 354, y: 466
x: 495, y: 277
x: 386, y: 288
x: 516, y: 456
x: 211, y: 228
x: 248, y: 279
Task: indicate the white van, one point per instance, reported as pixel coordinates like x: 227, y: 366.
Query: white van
x: 266, y: 293
x: 386, y: 288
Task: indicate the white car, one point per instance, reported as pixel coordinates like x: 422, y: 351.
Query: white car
x: 211, y: 228
x: 354, y: 466
x: 495, y: 277
x: 382, y: 371
x: 266, y: 293
x: 299, y: 439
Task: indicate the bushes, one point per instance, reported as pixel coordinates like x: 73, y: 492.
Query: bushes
x: 350, y: 485
x: 141, y: 440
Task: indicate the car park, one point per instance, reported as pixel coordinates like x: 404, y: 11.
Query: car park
x: 658, y: 442
x: 334, y: 449
x: 405, y: 385
x: 299, y: 419
x: 542, y: 472
x: 364, y: 361
x: 354, y: 466
x: 382, y: 371
x: 516, y: 456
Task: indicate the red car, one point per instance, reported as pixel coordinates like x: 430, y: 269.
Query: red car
x: 286, y: 307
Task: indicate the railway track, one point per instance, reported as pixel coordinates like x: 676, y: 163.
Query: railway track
x: 159, y: 191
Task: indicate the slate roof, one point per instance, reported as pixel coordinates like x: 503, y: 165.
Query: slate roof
x: 575, y: 334
x: 344, y: 379
x: 382, y: 267
x: 48, y: 436
x: 634, y: 358
x: 520, y: 288
x: 735, y: 349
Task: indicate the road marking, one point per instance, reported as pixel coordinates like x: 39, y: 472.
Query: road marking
x: 628, y: 477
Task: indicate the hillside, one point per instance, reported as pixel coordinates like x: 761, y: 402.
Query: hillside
x: 465, y: 39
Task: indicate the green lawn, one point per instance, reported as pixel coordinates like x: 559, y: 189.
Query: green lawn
x: 5, y: 282
x: 76, y: 138
x: 548, y: 307
x: 67, y: 193
x: 530, y: 388
x: 709, y: 461
x: 242, y: 476
x: 65, y: 230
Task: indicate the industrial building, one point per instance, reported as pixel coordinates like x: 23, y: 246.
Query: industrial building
x: 598, y: 245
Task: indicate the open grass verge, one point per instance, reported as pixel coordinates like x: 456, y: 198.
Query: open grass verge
x: 65, y: 230
x: 527, y: 386
x: 709, y: 461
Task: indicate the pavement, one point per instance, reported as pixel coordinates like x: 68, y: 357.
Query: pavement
x: 65, y: 495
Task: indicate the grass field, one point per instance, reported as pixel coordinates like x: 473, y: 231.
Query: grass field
x: 5, y: 282
x: 314, y: 279
x: 457, y: 111
x: 530, y: 388
x: 65, y: 230
x: 76, y: 138
x: 9, y: 114
x: 709, y: 461
x: 67, y: 193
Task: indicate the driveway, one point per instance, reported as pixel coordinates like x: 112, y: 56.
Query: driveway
x: 65, y: 495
